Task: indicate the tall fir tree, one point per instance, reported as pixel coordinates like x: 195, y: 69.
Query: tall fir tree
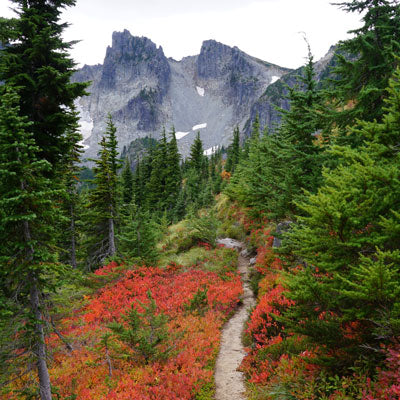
x: 233, y: 151
x: 28, y: 214
x: 195, y: 172
x: 102, y: 217
x: 156, y: 194
x: 196, y: 154
x: 138, y: 183
x: 112, y: 145
x: 366, y: 61
x: 277, y: 168
x: 300, y: 154
x: 173, y: 174
x: 38, y: 65
x: 254, y: 137
x: 70, y: 171
x: 255, y: 131
x: 216, y: 171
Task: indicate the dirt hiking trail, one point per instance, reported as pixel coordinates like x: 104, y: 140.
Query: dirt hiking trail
x: 230, y: 382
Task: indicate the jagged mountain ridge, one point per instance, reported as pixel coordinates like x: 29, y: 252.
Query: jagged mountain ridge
x: 145, y: 91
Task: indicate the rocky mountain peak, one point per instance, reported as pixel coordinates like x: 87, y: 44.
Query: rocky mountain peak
x: 133, y: 48
x: 215, y: 47
x: 129, y: 57
x: 215, y: 59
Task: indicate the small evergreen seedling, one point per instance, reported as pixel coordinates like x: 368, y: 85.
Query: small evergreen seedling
x: 199, y: 302
x: 145, y: 333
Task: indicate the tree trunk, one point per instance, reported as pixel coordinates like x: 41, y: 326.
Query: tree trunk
x: 73, y: 237
x: 39, y: 343
x: 111, y: 236
x: 138, y: 239
x: 109, y: 364
x: 40, y: 346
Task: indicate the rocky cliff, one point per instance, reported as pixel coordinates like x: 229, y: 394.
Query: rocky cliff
x: 145, y: 91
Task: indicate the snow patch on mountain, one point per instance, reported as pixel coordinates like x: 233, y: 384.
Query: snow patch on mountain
x: 274, y: 79
x: 180, y: 135
x: 200, y: 91
x: 211, y: 150
x: 200, y: 126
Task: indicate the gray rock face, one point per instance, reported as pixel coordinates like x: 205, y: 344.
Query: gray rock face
x: 253, y: 261
x: 131, y: 57
x: 131, y: 85
x: 282, y: 227
x: 144, y: 91
x: 231, y: 243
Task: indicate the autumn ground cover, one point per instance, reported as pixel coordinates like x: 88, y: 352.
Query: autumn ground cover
x: 171, y: 351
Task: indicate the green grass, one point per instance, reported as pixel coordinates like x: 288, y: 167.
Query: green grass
x: 180, y: 246
x: 206, y: 392
x: 194, y: 256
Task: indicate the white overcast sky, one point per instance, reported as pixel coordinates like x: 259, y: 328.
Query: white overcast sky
x: 267, y: 29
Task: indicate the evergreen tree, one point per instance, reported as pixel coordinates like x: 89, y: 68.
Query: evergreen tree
x: 365, y: 64
x: 35, y: 63
x: 255, y: 131
x: 180, y: 206
x: 277, y: 168
x: 348, y: 242
x: 28, y: 214
x: 38, y: 65
x: 205, y: 168
x: 70, y: 172
x: 156, y: 187
x: 142, y: 176
x: 233, y: 152
x: 299, y: 157
x: 207, y: 196
x: 193, y: 186
x: 173, y: 173
x: 216, y: 178
x: 144, y: 332
x: 102, y: 218
x: 196, y: 154
x: 112, y: 145
x: 254, y: 137
x: 196, y: 172
x: 139, y: 236
x: 139, y: 183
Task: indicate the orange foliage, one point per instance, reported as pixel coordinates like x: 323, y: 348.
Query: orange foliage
x: 264, y: 365
x: 225, y: 175
x: 194, y: 337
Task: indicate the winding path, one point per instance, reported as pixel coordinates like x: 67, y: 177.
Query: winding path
x: 230, y: 382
